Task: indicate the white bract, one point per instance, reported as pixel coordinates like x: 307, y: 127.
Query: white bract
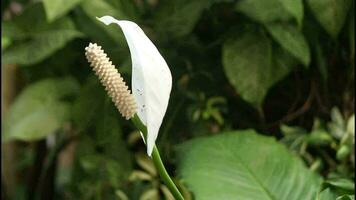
x: 151, y: 78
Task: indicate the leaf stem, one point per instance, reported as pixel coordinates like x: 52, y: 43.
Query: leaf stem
x: 158, y: 161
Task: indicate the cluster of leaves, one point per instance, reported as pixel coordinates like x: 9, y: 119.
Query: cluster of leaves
x: 236, y: 64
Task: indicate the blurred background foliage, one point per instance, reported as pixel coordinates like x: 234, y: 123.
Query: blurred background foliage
x: 244, y: 71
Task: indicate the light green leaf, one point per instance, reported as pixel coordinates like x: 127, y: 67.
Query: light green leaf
x: 272, y: 10
x: 38, y: 110
x: 326, y: 194
x: 244, y: 165
x: 341, y: 183
x: 57, y: 8
x: 291, y: 39
x: 250, y: 68
x: 346, y: 197
x: 331, y: 14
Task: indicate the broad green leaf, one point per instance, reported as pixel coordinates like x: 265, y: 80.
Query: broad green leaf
x: 178, y: 17
x: 272, y: 10
x: 326, y: 194
x: 295, y: 8
x: 57, y: 8
x: 340, y: 183
x: 251, y: 66
x: 291, y: 39
x: 247, y: 60
x: 244, y: 165
x: 39, y: 48
x: 31, y: 22
x: 38, y: 110
x: 331, y: 14
x: 36, y: 39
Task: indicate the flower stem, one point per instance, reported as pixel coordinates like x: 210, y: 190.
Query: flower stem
x: 158, y: 161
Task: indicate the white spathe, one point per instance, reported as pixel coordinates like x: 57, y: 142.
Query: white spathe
x: 151, y: 78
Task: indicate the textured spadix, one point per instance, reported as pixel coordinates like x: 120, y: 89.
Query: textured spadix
x: 112, y: 80
x: 151, y: 78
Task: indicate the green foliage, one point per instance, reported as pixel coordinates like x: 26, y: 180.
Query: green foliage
x: 57, y: 8
x: 39, y: 110
x: 250, y: 66
x: 243, y: 164
x: 282, y: 68
x: 330, y: 13
x: 39, y: 40
x: 291, y: 39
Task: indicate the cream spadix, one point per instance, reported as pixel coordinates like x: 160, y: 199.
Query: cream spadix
x: 151, y: 78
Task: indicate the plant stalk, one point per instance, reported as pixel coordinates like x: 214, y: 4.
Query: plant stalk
x: 158, y: 161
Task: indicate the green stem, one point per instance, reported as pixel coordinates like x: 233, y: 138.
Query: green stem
x: 158, y: 161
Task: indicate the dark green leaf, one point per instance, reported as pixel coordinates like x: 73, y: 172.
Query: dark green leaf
x: 291, y: 39
x: 178, y: 18
x: 244, y: 165
x: 272, y: 10
x: 331, y: 14
x: 39, y: 48
x: 37, y: 39
x: 250, y: 68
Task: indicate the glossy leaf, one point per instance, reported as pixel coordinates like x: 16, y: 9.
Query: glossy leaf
x: 244, y: 165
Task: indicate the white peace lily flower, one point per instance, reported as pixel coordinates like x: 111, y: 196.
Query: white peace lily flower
x: 151, y: 78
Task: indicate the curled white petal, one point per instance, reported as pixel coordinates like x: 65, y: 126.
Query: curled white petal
x: 151, y: 78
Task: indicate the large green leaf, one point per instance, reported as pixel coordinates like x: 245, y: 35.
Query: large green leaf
x: 272, y: 10
x: 291, y: 39
x: 39, y: 110
x: 244, y: 165
x: 252, y: 67
x: 57, y: 8
x: 40, y: 47
x: 36, y: 39
x: 295, y: 8
x: 178, y: 17
x: 31, y: 22
x: 331, y: 14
